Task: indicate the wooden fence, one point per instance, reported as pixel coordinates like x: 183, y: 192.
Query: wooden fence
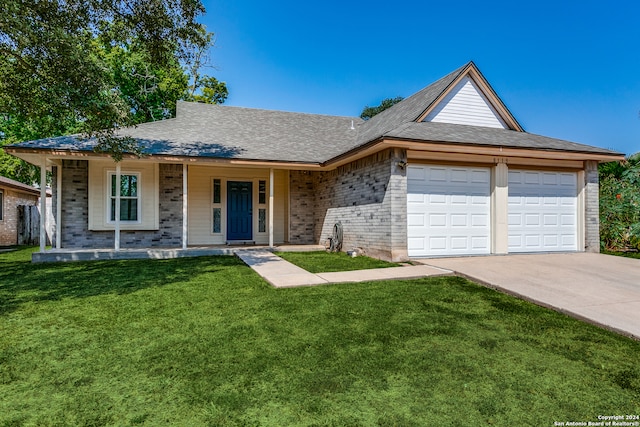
x: 28, y: 225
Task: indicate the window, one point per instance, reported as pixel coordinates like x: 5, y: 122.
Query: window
x: 262, y: 192
x: 129, y: 197
x: 217, y: 191
x: 262, y: 213
x: 262, y: 220
x: 217, y: 220
x: 217, y: 206
x: 1, y: 205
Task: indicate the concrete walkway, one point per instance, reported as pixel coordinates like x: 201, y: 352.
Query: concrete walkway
x: 282, y: 274
x: 601, y: 289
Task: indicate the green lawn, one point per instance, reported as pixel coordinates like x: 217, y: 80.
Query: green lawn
x: 325, y: 262
x: 204, y: 341
x: 623, y: 254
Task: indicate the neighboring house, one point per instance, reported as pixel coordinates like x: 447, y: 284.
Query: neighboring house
x: 447, y: 171
x: 12, y: 195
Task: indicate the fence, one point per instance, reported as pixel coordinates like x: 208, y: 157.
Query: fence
x: 28, y: 225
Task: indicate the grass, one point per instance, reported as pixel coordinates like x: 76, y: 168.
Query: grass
x: 205, y: 342
x: 325, y: 262
x: 627, y: 254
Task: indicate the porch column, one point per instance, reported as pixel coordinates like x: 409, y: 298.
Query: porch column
x: 59, y: 205
x: 43, y: 204
x: 271, y: 207
x: 117, y: 213
x: 184, y: 206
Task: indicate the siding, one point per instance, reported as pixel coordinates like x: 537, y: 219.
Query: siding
x: 98, y: 188
x: 200, y: 191
x: 466, y: 105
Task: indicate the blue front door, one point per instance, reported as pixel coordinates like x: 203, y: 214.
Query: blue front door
x: 239, y: 210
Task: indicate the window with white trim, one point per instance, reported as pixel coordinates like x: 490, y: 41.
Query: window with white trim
x: 129, y: 197
x: 262, y: 212
x: 217, y: 206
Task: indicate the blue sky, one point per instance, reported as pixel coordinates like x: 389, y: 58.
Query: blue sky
x: 565, y: 69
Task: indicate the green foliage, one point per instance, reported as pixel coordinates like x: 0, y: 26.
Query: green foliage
x: 620, y: 204
x: 149, y: 90
x: 94, y: 67
x: 209, y: 91
x: 204, y: 341
x: 369, y: 112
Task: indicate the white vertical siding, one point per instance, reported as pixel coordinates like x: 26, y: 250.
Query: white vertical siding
x: 466, y: 105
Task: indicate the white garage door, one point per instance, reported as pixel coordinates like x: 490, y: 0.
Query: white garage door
x: 448, y: 210
x: 543, y: 211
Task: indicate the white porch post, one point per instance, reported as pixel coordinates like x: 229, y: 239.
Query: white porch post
x: 117, y: 213
x: 271, y: 207
x: 59, y: 206
x: 43, y: 204
x: 184, y: 206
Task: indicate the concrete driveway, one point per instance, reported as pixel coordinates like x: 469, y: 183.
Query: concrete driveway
x: 601, y: 289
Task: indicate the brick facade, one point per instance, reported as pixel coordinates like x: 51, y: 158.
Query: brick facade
x: 11, y: 199
x: 592, y: 207
x: 367, y: 196
x: 301, y: 211
x: 75, y: 211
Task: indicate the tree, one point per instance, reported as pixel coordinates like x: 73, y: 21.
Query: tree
x: 620, y: 204
x: 369, y: 112
x: 89, y: 66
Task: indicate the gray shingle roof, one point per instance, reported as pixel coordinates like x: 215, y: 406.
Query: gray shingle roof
x: 214, y: 131
x: 407, y: 110
x: 478, y: 135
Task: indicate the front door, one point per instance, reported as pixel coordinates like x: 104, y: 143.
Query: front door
x: 239, y: 210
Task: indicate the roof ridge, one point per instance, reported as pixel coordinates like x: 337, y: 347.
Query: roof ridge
x: 264, y: 110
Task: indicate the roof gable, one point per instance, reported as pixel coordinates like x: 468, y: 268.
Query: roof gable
x: 482, y: 88
x: 465, y: 104
x: 407, y: 110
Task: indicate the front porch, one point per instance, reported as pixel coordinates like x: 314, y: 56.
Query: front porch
x: 68, y: 255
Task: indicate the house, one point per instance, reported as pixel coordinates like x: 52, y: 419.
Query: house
x: 447, y: 171
x: 12, y: 195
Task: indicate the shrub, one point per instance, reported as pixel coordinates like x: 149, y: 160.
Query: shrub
x: 620, y: 205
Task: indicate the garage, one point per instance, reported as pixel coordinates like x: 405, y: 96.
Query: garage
x: 543, y: 211
x: 448, y: 210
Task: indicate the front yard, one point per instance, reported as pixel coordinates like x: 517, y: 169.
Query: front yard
x: 204, y: 341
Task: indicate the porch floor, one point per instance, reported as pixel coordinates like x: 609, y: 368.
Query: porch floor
x: 66, y: 255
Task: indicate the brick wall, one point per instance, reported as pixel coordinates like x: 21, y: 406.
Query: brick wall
x: 302, y: 199
x: 367, y: 196
x: 9, y: 223
x: 75, y: 211
x: 592, y: 209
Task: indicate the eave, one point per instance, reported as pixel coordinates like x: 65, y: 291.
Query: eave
x: 442, y: 151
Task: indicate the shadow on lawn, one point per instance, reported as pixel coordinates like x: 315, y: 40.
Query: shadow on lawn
x: 23, y: 282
